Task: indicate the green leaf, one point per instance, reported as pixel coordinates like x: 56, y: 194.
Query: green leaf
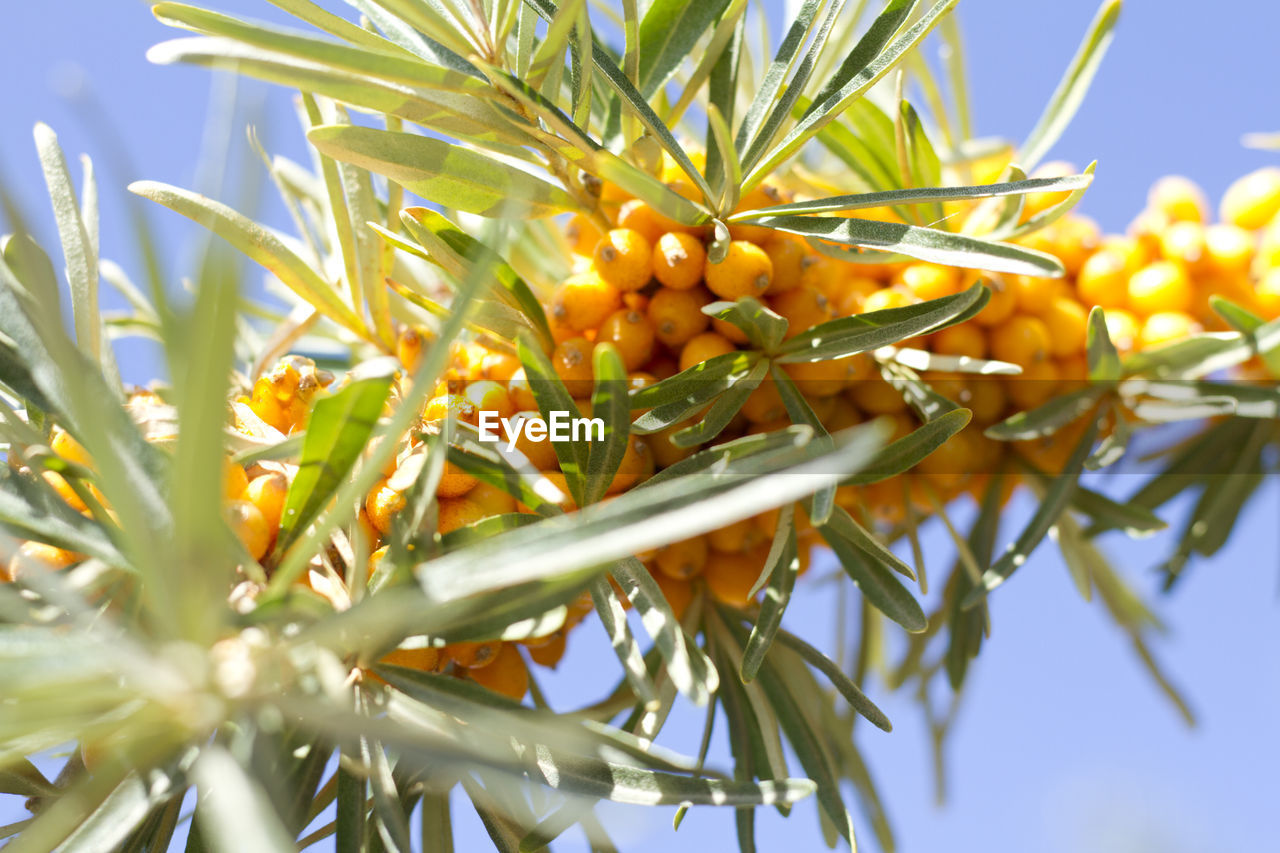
x: 841, y: 682
x: 780, y: 568
x: 763, y: 327
x: 1056, y: 500
x: 925, y: 244
x: 904, y: 454
x: 21, y: 777
x: 234, y: 813
x: 668, y: 33
x: 337, y: 431
x: 861, y: 70
x: 552, y: 396
x: 723, y: 410
x: 876, y: 582
x: 609, y: 403
x: 443, y: 173
x: 1071, y: 89
x: 793, y: 436
x: 1247, y: 324
x: 1133, y: 519
x: 843, y: 525
x: 614, y: 621
x: 258, y: 244
x: 1049, y: 215
x: 675, y: 398
x: 77, y: 248
x: 925, y: 195
x: 1047, y: 418
x: 509, y: 471
x: 1104, y: 360
x: 866, y: 332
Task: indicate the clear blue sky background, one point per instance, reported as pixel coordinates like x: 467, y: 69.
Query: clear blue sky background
x: 1063, y: 743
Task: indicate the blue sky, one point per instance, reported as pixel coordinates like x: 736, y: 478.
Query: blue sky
x: 1063, y: 744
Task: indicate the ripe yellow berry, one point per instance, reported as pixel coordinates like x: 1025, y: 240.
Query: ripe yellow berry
x: 745, y: 271
x: 678, y: 593
x: 456, y: 512
x: 962, y: 339
x: 499, y: 366
x: 677, y: 315
x: 786, y: 254
x: 632, y: 333
x: 930, y: 281
x: 624, y: 259
x: 1178, y: 198
x: 1161, y: 286
x: 549, y: 653
x: 1267, y: 294
x: 764, y: 405
x: 803, y: 308
x: 737, y: 537
x: 583, y: 301
x: 877, y: 397
x: 268, y: 492
x: 409, y: 348
x: 424, y: 659
x: 1067, y: 321
x: 986, y: 399
x: 665, y: 453
x: 1252, y: 201
x: 382, y: 504
x: 234, y: 481
x: 456, y: 406
x: 702, y: 347
x: 250, y: 527
x: 473, y: 655
x: 678, y: 260
x: 1022, y: 340
x: 1038, y: 382
x: 520, y: 393
x: 1122, y: 328
x: 1000, y: 306
x: 643, y: 219
x: 583, y: 234
x: 1228, y: 249
x: 1165, y: 327
x: 489, y: 396
x: 1185, y: 243
x: 572, y: 363
x: 506, y: 674
x: 454, y: 482
x: 1040, y: 202
x: 33, y: 556
x: 491, y: 500
x: 1104, y: 280
x: 852, y: 293
x: 1033, y: 295
x: 729, y: 577
x: 69, y: 449
x: 683, y: 560
x: 824, y: 379
x: 635, y: 468
x: 542, y: 453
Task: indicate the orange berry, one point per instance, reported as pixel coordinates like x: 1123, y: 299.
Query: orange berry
x: 583, y: 234
x: 491, y: 500
x: 1022, y: 340
x: 549, y: 654
x: 1000, y: 306
x: 1038, y: 382
x: 540, y: 453
x: 729, y: 577
x: 666, y: 454
x: 455, y: 406
x: 506, y: 675
x: 1267, y: 294
x: 473, y: 655
x: 409, y: 348
x: 678, y: 259
x: 1122, y: 328
x: 745, y: 271
x: 702, y: 347
x: 624, y: 258
x: 489, y: 396
x: 1229, y: 249
x: 69, y: 449
x: 424, y: 659
x: 1178, y: 198
x: 268, y: 492
x: 1161, y: 286
x: 572, y: 363
x: 234, y: 481
x: 382, y: 504
x: 852, y: 294
x: 499, y: 366
x: 250, y: 527
x: 677, y: 315
x: 877, y: 397
x: 635, y: 468
x: 890, y: 297
x: 764, y: 405
x: 678, y: 593
x: 1067, y: 321
x: 1185, y: 243
x: 454, y: 482
x: 727, y: 330
x: 963, y: 339
x: 823, y: 379
x: 786, y: 254
x: 520, y: 393
x: 1040, y: 202
x: 930, y: 281
x: 1104, y: 280
x: 1032, y: 295
x: 1252, y: 201
x: 643, y: 219
x: 986, y: 399
x: 1164, y: 327
x: 803, y: 308
x: 32, y: 556
x: 682, y: 560
x: 737, y: 537
x: 454, y: 513
x: 632, y: 333
x: 583, y: 301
